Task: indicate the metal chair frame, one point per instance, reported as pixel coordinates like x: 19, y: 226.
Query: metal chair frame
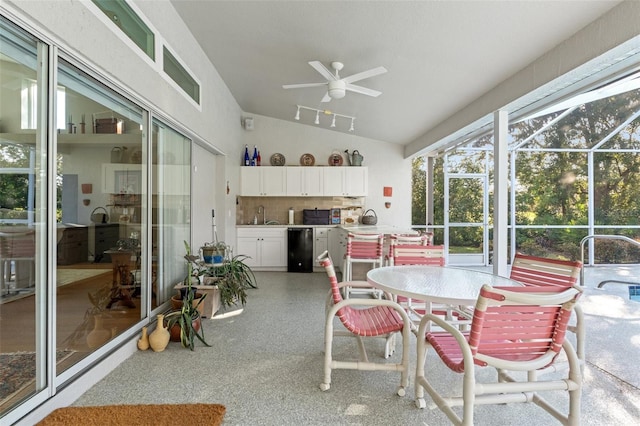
x: 516, y: 329
x: 362, y: 318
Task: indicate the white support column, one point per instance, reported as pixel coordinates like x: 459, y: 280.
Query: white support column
x: 500, y: 192
x: 429, y: 188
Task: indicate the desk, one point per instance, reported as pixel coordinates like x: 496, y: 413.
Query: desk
x: 435, y: 284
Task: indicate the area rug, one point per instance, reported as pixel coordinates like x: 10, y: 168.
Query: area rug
x: 69, y: 276
x: 18, y: 369
x: 157, y: 415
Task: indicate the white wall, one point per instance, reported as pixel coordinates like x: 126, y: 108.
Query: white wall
x: 387, y: 166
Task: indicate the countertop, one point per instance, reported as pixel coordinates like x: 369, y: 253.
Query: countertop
x: 361, y: 229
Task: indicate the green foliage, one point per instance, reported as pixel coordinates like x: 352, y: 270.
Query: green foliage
x: 234, y: 278
x: 187, y: 316
x: 552, y: 185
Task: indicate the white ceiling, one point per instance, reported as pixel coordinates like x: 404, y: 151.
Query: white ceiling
x: 440, y: 55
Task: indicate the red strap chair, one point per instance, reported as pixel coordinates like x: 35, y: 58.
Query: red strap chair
x: 519, y: 329
x: 362, y: 317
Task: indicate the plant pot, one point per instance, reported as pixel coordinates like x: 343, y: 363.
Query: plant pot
x: 176, y: 303
x: 174, y: 332
x: 212, y: 254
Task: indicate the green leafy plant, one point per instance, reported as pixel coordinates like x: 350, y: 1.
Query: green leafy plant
x: 188, y: 316
x: 233, y: 278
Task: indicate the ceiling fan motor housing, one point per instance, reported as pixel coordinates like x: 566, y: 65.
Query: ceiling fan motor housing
x: 337, y: 89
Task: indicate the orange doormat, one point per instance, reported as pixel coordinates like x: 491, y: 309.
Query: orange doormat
x: 160, y: 414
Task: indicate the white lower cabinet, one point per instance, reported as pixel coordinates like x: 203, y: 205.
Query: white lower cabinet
x: 265, y: 246
x: 320, y: 244
x: 337, y: 245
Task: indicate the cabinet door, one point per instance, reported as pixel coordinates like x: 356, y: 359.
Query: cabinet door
x: 120, y: 178
x: 274, y: 181
x: 337, y: 241
x: 250, y: 184
x: 333, y: 181
x: 295, y: 185
x: 320, y: 244
x: 312, y: 178
x: 356, y: 181
x: 249, y: 246
x: 304, y: 181
x: 272, y: 251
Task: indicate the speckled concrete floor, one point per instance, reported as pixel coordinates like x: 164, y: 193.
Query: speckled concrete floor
x: 265, y: 366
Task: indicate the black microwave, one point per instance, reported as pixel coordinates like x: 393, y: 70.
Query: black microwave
x: 316, y: 217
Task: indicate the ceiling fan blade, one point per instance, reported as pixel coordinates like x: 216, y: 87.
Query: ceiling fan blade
x: 363, y: 90
x: 364, y: 74
x: 317, y: 65
x: 298, y: 86
x: 326, y: 98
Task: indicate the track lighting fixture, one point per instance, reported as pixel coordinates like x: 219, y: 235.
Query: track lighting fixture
x: 325, y: 112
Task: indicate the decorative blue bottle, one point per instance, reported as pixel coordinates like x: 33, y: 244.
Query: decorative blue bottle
x: 247, y: 161
x: 254, y: 159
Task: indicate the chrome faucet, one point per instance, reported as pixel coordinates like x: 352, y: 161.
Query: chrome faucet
x: 264, y: 214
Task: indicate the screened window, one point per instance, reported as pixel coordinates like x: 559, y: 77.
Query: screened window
x: 130, y: 23
x: 178, y: 74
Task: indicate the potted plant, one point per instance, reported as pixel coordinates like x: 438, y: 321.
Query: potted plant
x: 188, y: 318
x: 214, y: 252
x: 233, y: 278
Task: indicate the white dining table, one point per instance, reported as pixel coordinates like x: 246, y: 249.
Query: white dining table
x: 435, y: 284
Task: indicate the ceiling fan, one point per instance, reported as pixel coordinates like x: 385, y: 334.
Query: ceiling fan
x: 337, y: 87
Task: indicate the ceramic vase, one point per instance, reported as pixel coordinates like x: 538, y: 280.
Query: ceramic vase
x: 143, y: 342
x: 99, y: 335
x: 159, y: 338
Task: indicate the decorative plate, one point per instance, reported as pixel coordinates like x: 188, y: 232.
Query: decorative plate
x: 277, y: 159
x: 336, y: 160
x: 307, y: 160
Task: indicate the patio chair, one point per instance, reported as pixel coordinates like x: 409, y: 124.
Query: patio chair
x: 542, y: 272
x: 362, y: 248
x: 395, y: 239
x: 17, y: 249
x: 519, y: 329
x: 413, y: 254
x: 363, y: 318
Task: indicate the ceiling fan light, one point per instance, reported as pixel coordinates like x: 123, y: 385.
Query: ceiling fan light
x: 317, y: 121
x: 297, y: 117
x: 337, y: 93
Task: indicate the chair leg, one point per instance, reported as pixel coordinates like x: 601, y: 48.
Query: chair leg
x: 328, y: 343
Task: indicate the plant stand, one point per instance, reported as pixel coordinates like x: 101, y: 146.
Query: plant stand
x: 211, y: 301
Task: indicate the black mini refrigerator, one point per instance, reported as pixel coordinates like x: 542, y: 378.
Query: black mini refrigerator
x: 300, y: 250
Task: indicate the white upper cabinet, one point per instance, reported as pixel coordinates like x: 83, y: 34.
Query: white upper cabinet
x: 346, y: 181
x: 122, y: 178
x: 300, y: 181
x: 263, y: 181
x: 305, y: 181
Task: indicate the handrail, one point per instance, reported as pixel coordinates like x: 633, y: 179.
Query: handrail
x: 604, y: 237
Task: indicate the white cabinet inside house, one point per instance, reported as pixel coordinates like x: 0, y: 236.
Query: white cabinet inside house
x: 263, y: 181
x: 320, y: 244
x: 305, y: 181
x: 345, y: 181
x: 122, y: 178
x: 266, y: 247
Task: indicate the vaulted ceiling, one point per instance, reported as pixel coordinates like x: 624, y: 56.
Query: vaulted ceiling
x: 440, y: 55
